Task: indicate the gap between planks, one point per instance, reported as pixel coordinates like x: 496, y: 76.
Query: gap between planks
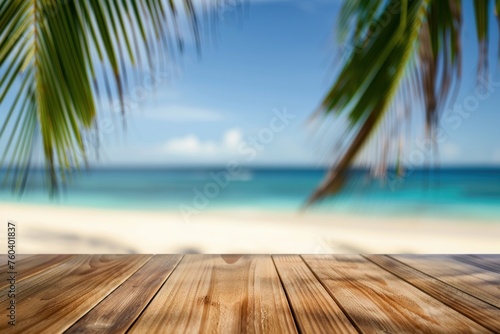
x: 131, y: 298
x: 477, y: 310
x: 477, y: 282
x: 84, y: 280
x: 294, y: 315
x: 377, y: 301
x: 313, y: 307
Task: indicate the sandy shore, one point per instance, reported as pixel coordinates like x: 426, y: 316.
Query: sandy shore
x: 50, y: 229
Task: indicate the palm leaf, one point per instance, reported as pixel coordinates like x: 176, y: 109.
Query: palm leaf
x: 50, y: 55
x: 364, y: 90
x: 415, y: 57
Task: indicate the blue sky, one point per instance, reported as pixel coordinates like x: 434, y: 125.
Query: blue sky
x: 274, y: 59
x: 278, y: 60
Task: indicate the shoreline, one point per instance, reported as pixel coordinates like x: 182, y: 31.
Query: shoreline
x: 62, y: 229
x: 363, y: 213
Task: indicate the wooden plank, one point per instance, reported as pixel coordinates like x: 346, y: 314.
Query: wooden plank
x: 485, y: 262
x: 31, y: 265
x: 480, y: 283
x: 477, y: 310
x: 54, y: 299
x: 377, y: 301
x: 219, y: 294
x: 19, y: 257
x: 116, y: 313
x: 313, y: 308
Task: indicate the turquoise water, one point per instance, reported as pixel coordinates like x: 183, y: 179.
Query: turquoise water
x: 464, y: 193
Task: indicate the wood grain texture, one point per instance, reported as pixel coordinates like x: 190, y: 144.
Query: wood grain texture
x: 477, y: 310
x: 219, y: 294
x: 379, y: 302
x: 475, y: 281
x: 485, y: 262
x: 314, y: 309
x: 116, y: 313
x: 27, y: 266
x: 54, y: 299
x: 244, y: 294
x: 19, y: 257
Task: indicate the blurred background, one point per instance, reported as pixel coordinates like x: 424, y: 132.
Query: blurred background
x: 220, y: 153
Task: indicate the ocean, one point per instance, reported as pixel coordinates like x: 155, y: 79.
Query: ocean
x: 461, y: 193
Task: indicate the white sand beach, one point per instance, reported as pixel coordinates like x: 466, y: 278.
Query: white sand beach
x: 52, y: 229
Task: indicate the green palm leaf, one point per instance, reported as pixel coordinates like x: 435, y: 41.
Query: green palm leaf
x: 50, y: 53
x: 405, y: 54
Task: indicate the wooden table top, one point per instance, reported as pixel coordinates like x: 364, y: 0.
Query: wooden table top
x: 253, y: 293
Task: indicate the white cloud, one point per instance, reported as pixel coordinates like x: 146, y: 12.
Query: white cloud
x: 232, y: 138
x: 181, y: 114
x: 191, y: 144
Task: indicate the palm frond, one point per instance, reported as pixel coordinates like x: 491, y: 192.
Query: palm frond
x: 481, y: 10
x: 51, y: 58
x: 369, y: 81
x: 416, y: 56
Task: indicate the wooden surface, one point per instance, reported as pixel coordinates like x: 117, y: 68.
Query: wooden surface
x: 254, y: 294
x: 225, y: 294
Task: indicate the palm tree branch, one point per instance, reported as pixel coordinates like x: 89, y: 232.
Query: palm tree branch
x: 434, y: 76
x: 366, y: 100
x: 50, y: 53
